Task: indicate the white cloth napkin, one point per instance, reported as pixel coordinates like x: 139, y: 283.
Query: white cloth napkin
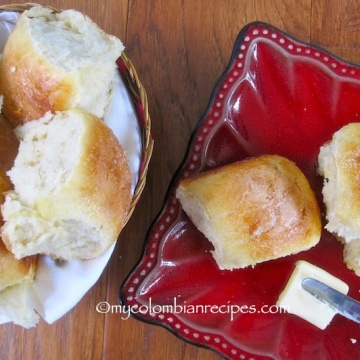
x: 59, y: 285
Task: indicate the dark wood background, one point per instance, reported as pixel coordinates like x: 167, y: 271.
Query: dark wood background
x: 179, y: 48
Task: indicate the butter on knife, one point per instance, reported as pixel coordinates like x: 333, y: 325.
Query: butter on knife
x: 296, y: 300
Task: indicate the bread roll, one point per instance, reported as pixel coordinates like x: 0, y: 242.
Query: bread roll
x: 339, y: 164
x: 56, y: 61
x: 252, y: 211
x: 15, y: 278
x: 77, y: 192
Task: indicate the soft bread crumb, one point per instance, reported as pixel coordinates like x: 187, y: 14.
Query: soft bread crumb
x: 338, y: 163
x: 77, y: 190
x: 16, y: 308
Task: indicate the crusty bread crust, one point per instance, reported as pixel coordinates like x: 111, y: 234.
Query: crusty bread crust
x: 252, y: 211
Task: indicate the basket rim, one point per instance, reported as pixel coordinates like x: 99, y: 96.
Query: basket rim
x: 139, y: 97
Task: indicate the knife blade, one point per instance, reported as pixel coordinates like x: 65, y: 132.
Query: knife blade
x: 339, y: 302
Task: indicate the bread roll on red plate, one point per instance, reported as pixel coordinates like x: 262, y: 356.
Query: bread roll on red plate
x: 56, y: 61
x: 72, y: 188
x: 252, y: 211
x: 339, y: 164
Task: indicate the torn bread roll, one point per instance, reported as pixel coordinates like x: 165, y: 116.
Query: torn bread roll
x: 16, y: 277
x: 339, y: 164
x: 252, y: 211
x: 56, y: 61
x: 77, y: 192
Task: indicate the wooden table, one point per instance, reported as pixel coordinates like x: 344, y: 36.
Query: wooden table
x: 179, y: 48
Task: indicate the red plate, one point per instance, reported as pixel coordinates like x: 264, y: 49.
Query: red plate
x: 277, y: 96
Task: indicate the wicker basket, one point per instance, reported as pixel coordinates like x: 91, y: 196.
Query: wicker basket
x: 139, y: 97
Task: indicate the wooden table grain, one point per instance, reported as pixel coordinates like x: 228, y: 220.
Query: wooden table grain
x: 179, y: 48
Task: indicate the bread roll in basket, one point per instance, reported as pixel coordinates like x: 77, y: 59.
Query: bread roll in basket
x: 139, y: 99
x: 136, y: 95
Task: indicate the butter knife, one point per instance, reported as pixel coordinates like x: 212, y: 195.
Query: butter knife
x: 342, y: 304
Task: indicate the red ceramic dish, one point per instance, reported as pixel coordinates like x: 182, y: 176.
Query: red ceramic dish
x: 277, y: 96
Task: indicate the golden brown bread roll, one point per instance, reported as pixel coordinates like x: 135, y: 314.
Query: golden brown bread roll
x: 339, y: 164
x: 252, y: 211
x: 77, y: 192
x: 56, y: 62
